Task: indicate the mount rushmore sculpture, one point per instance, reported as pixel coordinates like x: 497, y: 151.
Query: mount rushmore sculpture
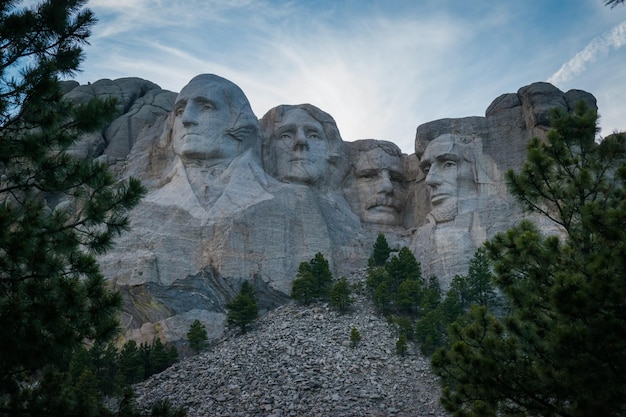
x: 232, y: 197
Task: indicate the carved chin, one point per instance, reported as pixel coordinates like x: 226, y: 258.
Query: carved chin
x: 445, y: 213
x: 304, y: 173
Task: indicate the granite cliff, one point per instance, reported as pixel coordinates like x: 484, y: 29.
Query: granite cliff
x: 232, y: 197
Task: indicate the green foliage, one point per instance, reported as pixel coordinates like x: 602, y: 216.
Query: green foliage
x: 479, y: 280
x: 407, y: 298
x: 56, y: 212
x: 397, y: 285
x: 303, y: 287
x: 243, y: 309
x: 313, y: 282
x: 322, y: 276
x: 380, y: 252
x: 430, y: 331
x: 340, y: 295
x: 559, y: 349
x: 381, y: 298
x: 355, y: 337
x: 404, y: 325
x: 402, y: 345
x: 162, y: 408
x: 197, y: 336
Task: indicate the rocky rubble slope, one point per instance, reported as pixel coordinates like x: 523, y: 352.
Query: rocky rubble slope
x: 297, y: 361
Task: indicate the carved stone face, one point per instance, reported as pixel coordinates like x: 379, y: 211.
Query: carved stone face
x: 202, y: 115
x: 301, y: 148
x: 380, y: 186
x: 448, y: 176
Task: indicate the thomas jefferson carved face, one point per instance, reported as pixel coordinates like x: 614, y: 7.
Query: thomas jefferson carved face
x: 380, y: 185
x: 300, y: 147
x: 448, y: 176
x: 204, y: 113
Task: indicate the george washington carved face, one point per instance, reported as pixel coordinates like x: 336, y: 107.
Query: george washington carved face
x: 205, y: 120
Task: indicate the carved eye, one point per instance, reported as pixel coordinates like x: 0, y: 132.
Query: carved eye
x: 313, y: 135
x: 179, y: 111
x: 368, y: 174
x: 285, y: 136
x: 208, y: 106
x: 449, y: 164
x: 425, y: 169
x: 395, y: 177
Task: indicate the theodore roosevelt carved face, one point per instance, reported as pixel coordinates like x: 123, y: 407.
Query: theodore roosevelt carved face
x: 379, y: 181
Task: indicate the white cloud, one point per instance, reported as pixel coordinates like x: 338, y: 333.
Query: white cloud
x: 379, y: 72
x: 600, y: 46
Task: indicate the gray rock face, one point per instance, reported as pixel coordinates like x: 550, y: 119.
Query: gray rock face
x: 463, y: 161
x: 233, y: 198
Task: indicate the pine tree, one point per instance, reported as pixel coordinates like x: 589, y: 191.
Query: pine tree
x: 340, y: 295
x: 320, y: 270
x: 303, y: 287
x: 560, y: 349
x: 408, y: 296
x: 243, y: 309
x: 480, y: 281
x: 380, y: 252
x: 314, y: 280
x: 355, y: 337
x: 402, y: 346
x: 53, y: 296
x: 197, y: 336
x: 131, y: 363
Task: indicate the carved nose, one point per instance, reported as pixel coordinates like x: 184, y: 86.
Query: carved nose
x: 189, y: 117
x: 301, y: 142
x: 432, y: 178
x: 384, y: 183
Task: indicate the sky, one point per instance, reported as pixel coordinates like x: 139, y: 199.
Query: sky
x: 380, y: 68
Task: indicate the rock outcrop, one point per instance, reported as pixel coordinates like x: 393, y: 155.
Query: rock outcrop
x: 233, y: 198
x: 469, y: 202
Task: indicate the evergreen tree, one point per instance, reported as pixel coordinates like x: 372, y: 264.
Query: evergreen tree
x: 303, y: 287
x: 159, y: 358
x: 380, y: 252
x: 430, y: 331
x: 355, y: 337
x: 197, y: 336
x: 402, y: 345
x: 340, y: 295
x: 131, y: 363
x: 480, y: 281
x: 404, y: 325
x: 382, y: 298
x: 375, y: 277
x: 53, y: 296
x: 431, y: 297
x: 314, y: 280
x: 560, y: 350
x: 243, y: 309
x: 320, y: 270
x: 407, y: 298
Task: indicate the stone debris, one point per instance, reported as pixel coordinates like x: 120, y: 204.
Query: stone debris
x: 297, y: 361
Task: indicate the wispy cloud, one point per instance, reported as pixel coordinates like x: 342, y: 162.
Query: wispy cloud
x: 379, y: 70
x: 598, y: 47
